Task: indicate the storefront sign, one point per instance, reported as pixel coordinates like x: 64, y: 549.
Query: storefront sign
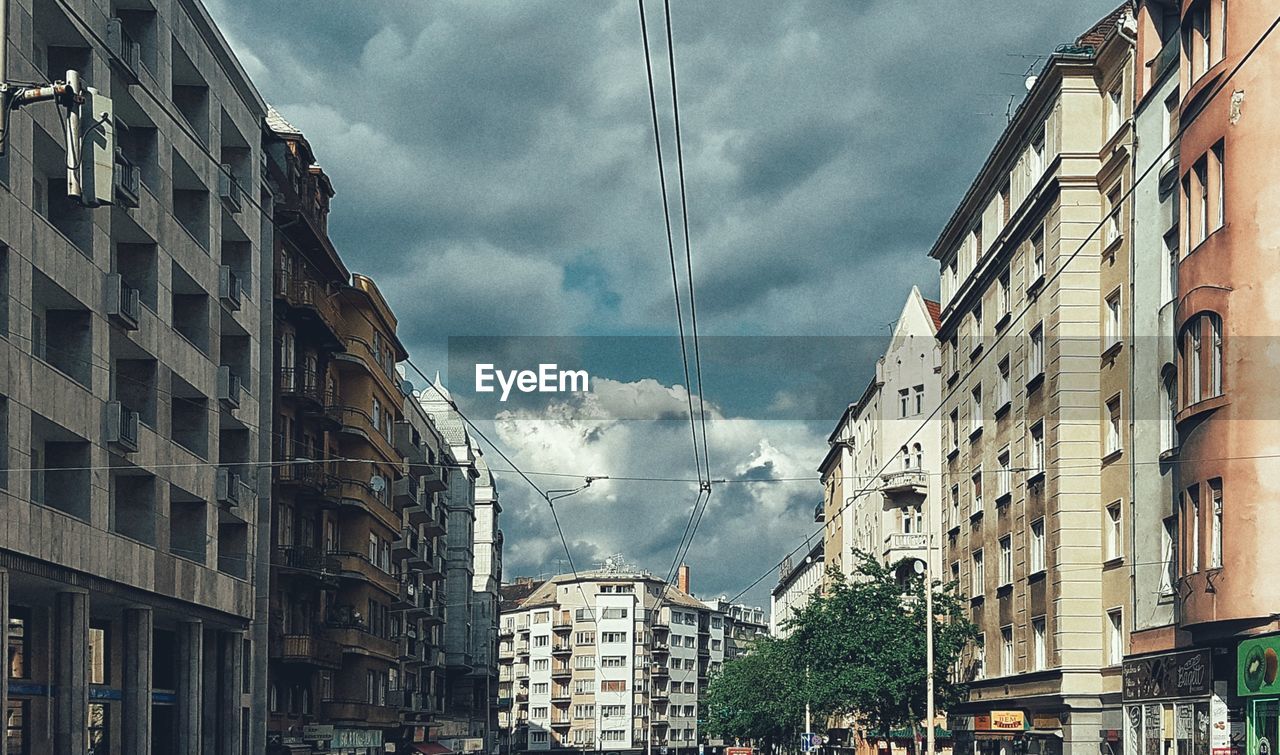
x: 1256, y: 666
x: 1045, y: 721
x: 1177, y: 675
x: 350, y: 738
x: 1000, y: 720
x: 318, y: 732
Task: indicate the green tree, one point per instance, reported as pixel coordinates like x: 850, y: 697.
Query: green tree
x: 863, y: 642
x: 758, y: 696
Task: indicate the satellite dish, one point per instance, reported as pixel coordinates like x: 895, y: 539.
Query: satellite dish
x: 1030, y: 82
x: 377, y: 484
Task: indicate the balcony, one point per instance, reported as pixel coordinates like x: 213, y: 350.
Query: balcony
x: 124, y: 303
x: 522, y: 648
x: 312, y: 304
x: 560, y: 672
x: 421, y: 513
x: 307, y: 650
x: 229, y: 288
x: 432, y: 612
x: 406, y: 699
x: 904, y: 482
x: 433, y: 480
x: 229, y: 387
x: 126, y: 180
x: 306, y: 561
x: 506, y: 630
x: 228, y: 487
x: 126, y: 54
x: 661, y: 648
x: 309, y: 477
x: 407, y: 545
x: 562, y: 648
x: 660, y: 671
x: 350, y: 634
x: 359, y: 712
x: 121, y: 427
x: 819, y: 513
x: 560, y: 695
x: 660, y: 693
x: 359, y: 423
x: 229, y: 189
x: 358, y: 567
x: 900, y: 545
x: 409, y: 597
x: 562, y: 623
x: 404, y: 491
x: 360, y: 494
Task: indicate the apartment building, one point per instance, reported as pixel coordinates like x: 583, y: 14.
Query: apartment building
x: 1204, y: 228
x: 877, y: 490
x: 129, y: 410
x: 606, y: 660
x: 1034, y: 266
x: 464, y: 713
x: 798, y: 581
x: 743, y: 626
x: 486, y: 581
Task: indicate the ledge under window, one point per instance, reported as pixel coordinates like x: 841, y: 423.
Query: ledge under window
x: 1004, y: 320
x: 1036, y: 478
x: 1034, y: 381
x: 1113, y: 455
x: 1004, y: 407
x: 1037, y: 575
x: 1034, y: 286
x: 1111, y: 351
x: 1004, y: 498
x: 975, y: 432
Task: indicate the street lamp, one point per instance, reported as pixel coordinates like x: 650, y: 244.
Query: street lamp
x: 923, y: 567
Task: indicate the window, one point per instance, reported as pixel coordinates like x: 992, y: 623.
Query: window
x: 613, y: 661
x: 1169, y: 281
x: 1114, y: 532
x: 1036, y: 270
x: 542, y: 617
x: 1035, y: 358
x: 1200, y: 200
x: 977, y: 328
x: 919, y: 454
x: 585, y: 638
x: 1039, y: 656
x: 1003, y: 302
x: 975, y: 410
x: 918, y: 391
x: 541, y: 641
x: 1191, y: 530
x: 1169, y: 128
x: 1004, y: 395
x: 1115, y: 637
x: 954, y: 424
x: 906, y: 458
x: 1115, y: 108
x: 98, y: 664
x: 1170, y: 564
x: 1037, y: 155
x: 1006, y: 560
x: 1112, y: 332
x: 1169, y: 410
x: 543, y: 664
x: 1215, y: 354
x: 613, y: 711
x: 17, y: 643
x: 977, y: 581
x: 1006, y: 650
x: 541, y: 688
x: 613, y: 613
x: 538, y: 737
x: 1191, y: 363
x: 955, y: 504
x: 1035, y: 559
x: 1004, y: 205
x: 954, y: 348
x: 1114, y: 428
x: 976, y: 482
x: 1215, y: 531
x: 613, y: 637
x: 1036, y: 453
x: 1004, y: 478
x: 99, y: 731
x: 584, y: 661
x: 613, y: 685
x: 980, y: 656
x: 904, y: 402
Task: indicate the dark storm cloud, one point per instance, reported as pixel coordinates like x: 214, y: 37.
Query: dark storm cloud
x: 494, y: 161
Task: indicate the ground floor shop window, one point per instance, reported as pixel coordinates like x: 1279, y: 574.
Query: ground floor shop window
x: 1173, y: 728
x: 1264, y: 728
x: 15, y: 727
x: 99, y: 729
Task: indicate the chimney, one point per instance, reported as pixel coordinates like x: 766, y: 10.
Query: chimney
x: 682, y: 579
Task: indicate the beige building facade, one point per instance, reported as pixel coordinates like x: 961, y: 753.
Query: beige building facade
x: 1034, y: 267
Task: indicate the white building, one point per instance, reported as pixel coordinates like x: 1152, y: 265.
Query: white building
x: 575, y: 658
x: 876, y: 475
x: 797, y: 584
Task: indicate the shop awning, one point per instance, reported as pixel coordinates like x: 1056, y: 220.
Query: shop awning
x: 431, y: 748
x: 938, y: 733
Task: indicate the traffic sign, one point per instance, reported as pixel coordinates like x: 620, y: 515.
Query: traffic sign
x: 806, y: 741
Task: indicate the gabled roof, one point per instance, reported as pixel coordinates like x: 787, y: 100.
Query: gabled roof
x: 935, y: 312
x: 1101, y: 30
x: 277, y: 123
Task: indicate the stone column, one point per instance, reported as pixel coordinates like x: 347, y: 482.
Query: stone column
x: 230, y: 686
x: 71, y: 661
x: 190, y: 683
x: 4, y: 662
x: 138, y: 664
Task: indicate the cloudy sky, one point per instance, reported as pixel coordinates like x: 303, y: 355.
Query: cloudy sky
x: 495, y: 172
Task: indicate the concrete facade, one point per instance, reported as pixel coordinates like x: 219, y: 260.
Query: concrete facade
x: 135, y: 364
x: 798, y: 581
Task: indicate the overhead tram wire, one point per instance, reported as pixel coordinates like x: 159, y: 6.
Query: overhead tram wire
x: 1217, y: 89
x: 671, y: 247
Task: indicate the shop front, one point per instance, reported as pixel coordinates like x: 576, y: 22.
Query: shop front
x: 1257, y: 667
x: 1171, y: 706
x: 1007, y: 732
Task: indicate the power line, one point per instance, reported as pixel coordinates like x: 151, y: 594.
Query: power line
x: 1217, y: 88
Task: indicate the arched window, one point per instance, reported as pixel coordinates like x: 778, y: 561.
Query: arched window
x: 919, y: 456
x: 1168, y: 395
x: 906, y: 458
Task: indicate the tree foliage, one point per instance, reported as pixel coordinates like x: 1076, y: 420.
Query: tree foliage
x: 864, y: 642
x: 758, y: 696
x: 857, y: 650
